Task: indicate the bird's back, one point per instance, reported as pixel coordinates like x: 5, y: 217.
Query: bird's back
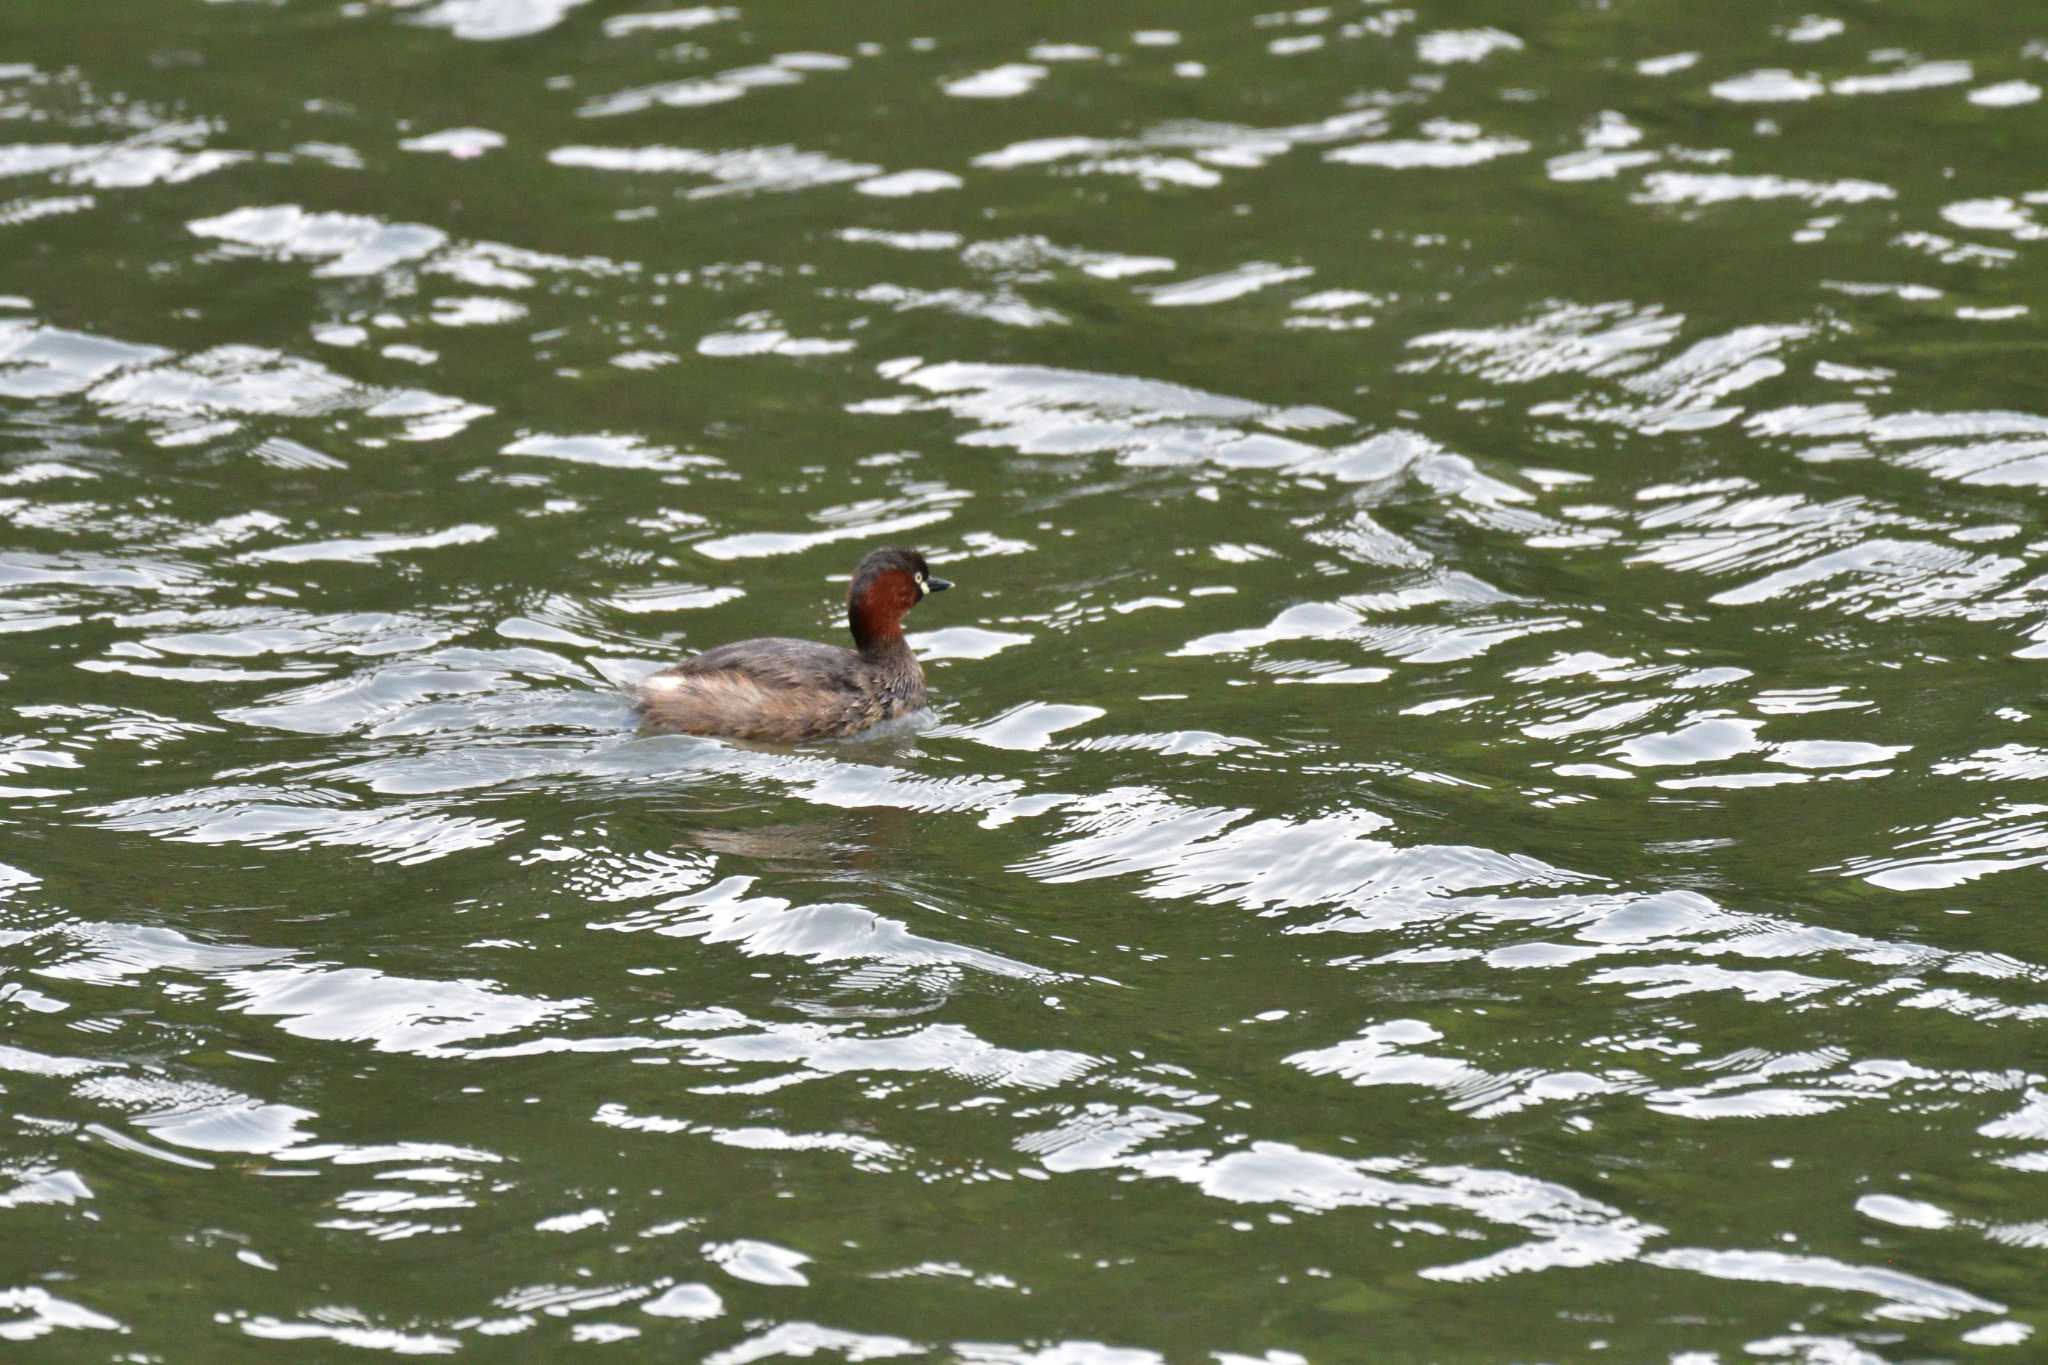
x: 778, y: 690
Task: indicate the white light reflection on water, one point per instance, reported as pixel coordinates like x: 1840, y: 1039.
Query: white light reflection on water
x: 1484, y: 744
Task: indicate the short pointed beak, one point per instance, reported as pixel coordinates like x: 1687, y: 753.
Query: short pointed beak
x: 937, y: 584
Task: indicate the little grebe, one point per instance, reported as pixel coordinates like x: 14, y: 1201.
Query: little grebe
x: 783, y: 691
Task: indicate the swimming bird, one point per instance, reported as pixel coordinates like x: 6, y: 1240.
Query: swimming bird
x: 784, y: 691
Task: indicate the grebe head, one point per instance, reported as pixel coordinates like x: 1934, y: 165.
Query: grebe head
x: 888, y: 583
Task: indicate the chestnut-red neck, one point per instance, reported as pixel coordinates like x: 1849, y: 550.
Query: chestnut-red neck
x: 875, y: 610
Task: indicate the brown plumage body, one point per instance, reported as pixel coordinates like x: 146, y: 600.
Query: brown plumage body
x: 783, y: 691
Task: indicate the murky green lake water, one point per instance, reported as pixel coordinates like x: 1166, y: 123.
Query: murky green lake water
x: 1487, y: 795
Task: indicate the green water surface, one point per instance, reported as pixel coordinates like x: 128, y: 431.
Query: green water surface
x: 1486, y: 793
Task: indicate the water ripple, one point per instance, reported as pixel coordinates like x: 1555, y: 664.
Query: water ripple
x: 1483, y: 747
